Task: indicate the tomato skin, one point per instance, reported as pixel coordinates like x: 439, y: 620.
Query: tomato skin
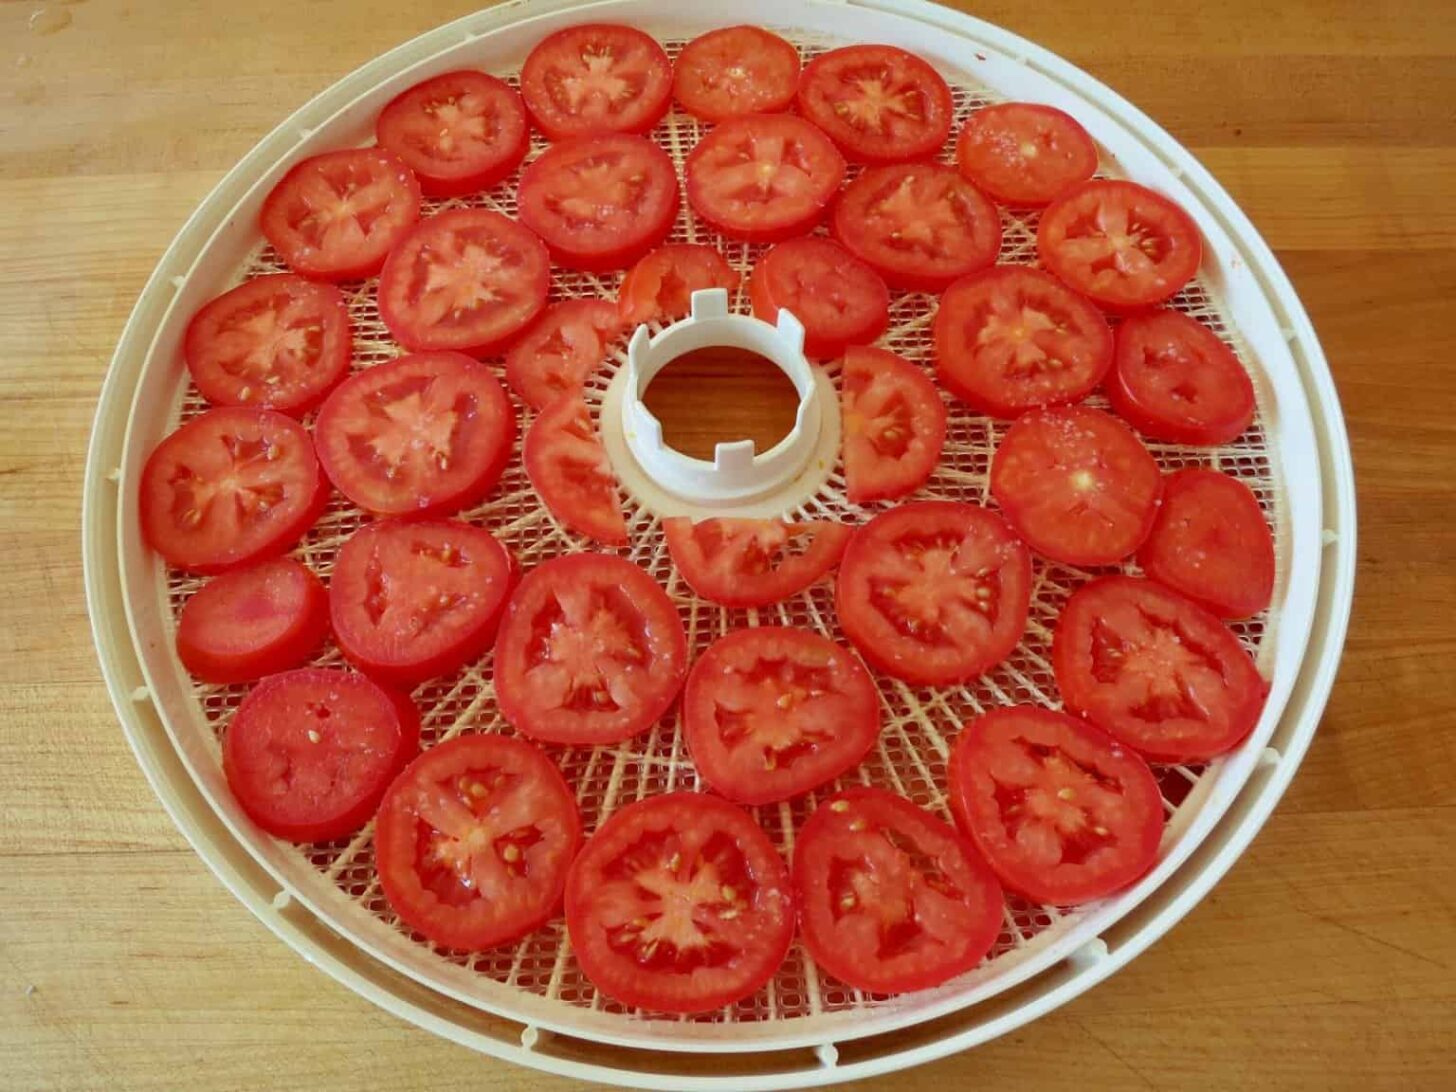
x: 253, y: 621
x: 992, y: 153
x: 735, y: 71
x: 885, y: 399
x: 660, y: 287
x: 731, y: 561
x: 912, y: 83
x: 840, y: 300
x: 561, y: 350
x: 636, y: 58
x: 569, y: 470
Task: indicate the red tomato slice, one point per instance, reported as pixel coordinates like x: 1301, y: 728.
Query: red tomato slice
x: 467, y: 280
x: 335, y: 216
x: 412, y: 599
x: 228, y: 487
x: 920, y: 225
x: 280, y: 342
x: 596, y: 78
x: 934, y: 592
x: 591, y: 652
x: 560, y: 352
x: 474, y: 839
x: 309, y: 753
x: 763, y: 178
x: 891, y: 898
x: 840, y: 300
x: 1155, y: 670
x: 599, y: 203
x: 1058, y: 809
x: 736, y: 71
x: 253, y: 622
x: 571, y: 474
x: 1012, y: 338
x: 753, y: 562
x: 1023, y: 153
x: 459, y: 132
x: 1212, y: 544
x: 679, y: 903
x: 1173, y: 379
x: 1119, y: 244
x: 893, y: 422
x: 879, y: 104
x: 770, y: 713
x: 660, y: 287
x: 428, y: 433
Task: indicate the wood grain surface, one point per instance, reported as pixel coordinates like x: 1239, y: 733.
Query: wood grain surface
x: 1324, y: 960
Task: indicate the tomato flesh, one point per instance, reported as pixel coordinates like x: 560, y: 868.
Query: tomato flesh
x: 253, y: 621
x: 660, y: 287
x: 839, y: 299
x: 561, y: 351
x: 596, y: 78
x: 878, y: 103
x: 1023, y: 153
x: 571, y: 474
x: 753, y: 562
x: 735, y: 71
x: 893, y: 424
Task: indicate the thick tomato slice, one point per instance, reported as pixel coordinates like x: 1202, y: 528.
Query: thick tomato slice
x: 879, y: 104
x: 660, y: 287
x: 252, y: 622
x: 840, y: 300
x: 412, y: 599
x: 571, y: 474
x: 231, y: 486
x: 280, y: 342
x: 679, y: 903
x: 1077, y: 485
x: 1212, y: 543
x: 1058, y: 808
x: 1011, y: 338
x: 934, y: 593
x: 1023, y: 153
x: 920, y: 225
x: 335, y: 216
x: 763, y: 178
x: 735, y: 71
x: 891, y: 898
x: 474, y: 839
x: 599, y: 203
x: 1119, y: 244
x: 596, y: 78
x: 591, y: 651
x: 770, y: 713
x: 459, y: 132
x: 560, y: 352
x: 1173, y: 379
x: 1155, y: 670
x: 753, y: 562
x: 893, y: 422
x: 428, y: 433
x: 468, y: 280
x: 309, y: 753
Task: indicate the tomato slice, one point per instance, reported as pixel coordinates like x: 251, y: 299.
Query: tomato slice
x: 428, y: 433
x: 1012, y: 338
x: 1023, y: 153
x: 459, y: 132
x: 413, y: 599
x: 279, y: 341
x: 1173, y: 379
x: 1061, y: 812
x: 840, y: 300
x: 1212, y: 544
x: 891, y: 898
x: 679, y: 903
x: 763, y: 178
x: 753, y: 562
x: 599, y: 203
x: 769, y: 713
x: 467, y: 280
x: 252, y: 622
x: 1119, y: 244
x: 560, y: 352
x: 893, y: 422
x: 920, y: 225
x: 878, y: 103
x: 309, y: 753
x: 230, y: 486
x: 474, y: 840
x: 934, y: 592
x: 596, y: 78
x: 335, y: 216
x: 591, y: 651
x: 660, y: 287
x: 735, y: 71
x: 571, y: 474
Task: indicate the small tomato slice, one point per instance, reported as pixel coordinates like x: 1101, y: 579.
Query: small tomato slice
x: 571, y: 474
x: 560, y: 352
x: 596, y: 78
x: 753, y: 562
x: 660, y: 287
x: 252, y: 622
x: 840, y: 300
x: 1023, y: 153
x: 893, y: 422
x: 735, y: 71
x: 878, y: 103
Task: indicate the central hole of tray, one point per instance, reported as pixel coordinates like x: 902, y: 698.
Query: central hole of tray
x: 719, y: 394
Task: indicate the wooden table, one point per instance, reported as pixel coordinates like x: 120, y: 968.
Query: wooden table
x: 1324, y: 960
